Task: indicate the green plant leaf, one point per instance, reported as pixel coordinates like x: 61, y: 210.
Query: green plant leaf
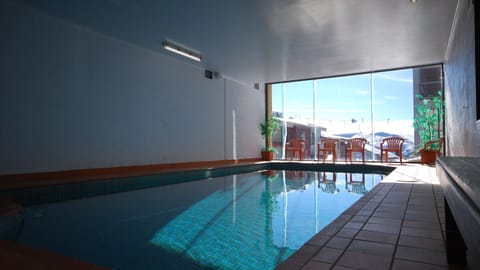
x: 429, y: 116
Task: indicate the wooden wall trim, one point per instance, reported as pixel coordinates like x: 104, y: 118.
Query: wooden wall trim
x: 14, y: 181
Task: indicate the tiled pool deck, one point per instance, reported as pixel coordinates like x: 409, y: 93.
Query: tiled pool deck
x: 400, y: 224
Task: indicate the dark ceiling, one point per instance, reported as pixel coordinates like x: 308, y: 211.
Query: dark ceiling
x: 275, y: 40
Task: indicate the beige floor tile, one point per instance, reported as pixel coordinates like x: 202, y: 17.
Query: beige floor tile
x: 328, y: 255
x: 405, y: 265
x: 420, y: 242
x: 338, y: 242
x: 421, y: 255
x: 364, y: 261
x: 313, y: 265
x: 373, y: 248
x: 380, y: 237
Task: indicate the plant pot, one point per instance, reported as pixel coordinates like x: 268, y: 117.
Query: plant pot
x: 267, y: 155
x: 429, y: 156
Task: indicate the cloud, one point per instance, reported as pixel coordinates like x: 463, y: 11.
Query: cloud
x: 362, y: 92
x: 391, y: 97
x: 343, y: 110
x: 394, y: 78
x: 330, y: 110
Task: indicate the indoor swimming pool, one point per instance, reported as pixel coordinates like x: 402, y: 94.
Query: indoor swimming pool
x: 251, y: 220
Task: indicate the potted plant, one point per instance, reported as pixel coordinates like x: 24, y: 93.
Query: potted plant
x: 268, y: 128
x: 427, y: 120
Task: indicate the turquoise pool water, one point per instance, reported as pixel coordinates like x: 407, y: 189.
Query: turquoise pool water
x: 246, y: 221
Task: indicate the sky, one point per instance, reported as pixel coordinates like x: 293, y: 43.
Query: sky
x: 348, y: 98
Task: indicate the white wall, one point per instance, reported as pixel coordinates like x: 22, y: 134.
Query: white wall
x: 72, y: 98
x: 239, y: 125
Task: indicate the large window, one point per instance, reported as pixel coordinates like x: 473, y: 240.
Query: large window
x: 371, y: 106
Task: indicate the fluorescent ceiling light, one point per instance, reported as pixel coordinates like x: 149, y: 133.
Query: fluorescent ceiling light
x: 181, y: 50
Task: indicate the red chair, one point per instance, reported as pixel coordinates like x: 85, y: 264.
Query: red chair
x: 355, y: 185
x: 327, y: 146
x: 296, y: 146
x: 391, y: 144
x: 328, y: 184
x: 355, y: 145
x: 431, y: 150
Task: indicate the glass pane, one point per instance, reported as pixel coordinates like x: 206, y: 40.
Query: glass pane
x: 292, y: 105
x: 343, y: 111
x: 393, y: 110
x: 372, y: 106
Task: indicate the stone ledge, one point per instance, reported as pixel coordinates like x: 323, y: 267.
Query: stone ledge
x: 465, y: 172
x: 461, y: 187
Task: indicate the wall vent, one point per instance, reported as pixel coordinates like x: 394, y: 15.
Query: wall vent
x: 208, y: 74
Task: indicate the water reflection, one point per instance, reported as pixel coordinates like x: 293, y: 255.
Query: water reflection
x: 255, y: 222
x: 309, y: 201
x: 355, y: 183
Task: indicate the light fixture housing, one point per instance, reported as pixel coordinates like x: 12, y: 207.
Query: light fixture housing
x: 181, y: 50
